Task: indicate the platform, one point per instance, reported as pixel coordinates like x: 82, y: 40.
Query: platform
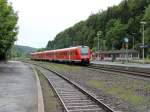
x: 18, y: 88
x: 137, y: 65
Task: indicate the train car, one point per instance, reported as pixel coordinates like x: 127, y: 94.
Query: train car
x: 79, y: 54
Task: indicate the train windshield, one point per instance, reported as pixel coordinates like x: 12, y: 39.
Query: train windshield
x: 84, y: 50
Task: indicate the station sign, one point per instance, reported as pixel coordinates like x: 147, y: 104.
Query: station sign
x: 143, y: 46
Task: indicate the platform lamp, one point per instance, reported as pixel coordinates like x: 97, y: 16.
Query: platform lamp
x: 143, y: 23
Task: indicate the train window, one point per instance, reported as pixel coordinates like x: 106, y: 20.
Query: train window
x: 84, y: 51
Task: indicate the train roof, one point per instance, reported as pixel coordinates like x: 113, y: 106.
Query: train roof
x: 63, y: 49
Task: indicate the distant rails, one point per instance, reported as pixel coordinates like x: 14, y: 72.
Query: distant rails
x: 121, y: 69
x: 73, y: 97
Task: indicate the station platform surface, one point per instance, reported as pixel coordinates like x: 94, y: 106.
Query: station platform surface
x: 137, y: 65
x: 18, y: 88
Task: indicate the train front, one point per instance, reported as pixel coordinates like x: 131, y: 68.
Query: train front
x: 85, y: 54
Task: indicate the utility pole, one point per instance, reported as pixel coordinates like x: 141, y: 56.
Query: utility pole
x: 104, y: 45
x: 143, y: 23
x: 133, y: 40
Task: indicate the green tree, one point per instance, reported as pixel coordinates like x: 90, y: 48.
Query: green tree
x: 147, y: 19
x: 50, y: 45
x: 41, y: 49
x: 147, y: 31
x: 125, y: 12
x: 8, y: 29
x: 116, y: 23
x: 116, y: 32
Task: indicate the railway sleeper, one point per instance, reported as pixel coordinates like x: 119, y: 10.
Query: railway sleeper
x: 87, y: 110
x: 74, y: 98
x: 80, y: 103
x: 77, y: 101
x: 82, y: 107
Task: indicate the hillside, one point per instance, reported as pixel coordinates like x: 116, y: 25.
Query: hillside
x: 21, y: 51
x: 115, y: 23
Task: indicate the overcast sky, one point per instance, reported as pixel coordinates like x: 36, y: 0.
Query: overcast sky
x: 40, y: 20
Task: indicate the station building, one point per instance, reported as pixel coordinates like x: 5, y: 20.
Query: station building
x: 116, y: 55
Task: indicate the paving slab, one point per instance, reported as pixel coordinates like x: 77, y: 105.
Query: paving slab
x: 18, y: 88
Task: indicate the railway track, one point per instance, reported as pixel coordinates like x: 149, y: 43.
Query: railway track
x: 120, y: 70
x: 73, y: 97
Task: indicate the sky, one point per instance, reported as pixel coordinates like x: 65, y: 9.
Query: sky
x: 41, y: 20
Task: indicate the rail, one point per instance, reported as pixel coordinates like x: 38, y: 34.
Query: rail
x: 97, y: 105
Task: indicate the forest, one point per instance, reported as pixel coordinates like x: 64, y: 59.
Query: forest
x: 114, y: 24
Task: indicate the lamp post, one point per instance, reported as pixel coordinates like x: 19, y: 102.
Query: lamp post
x: 99, y: 33
x: 126, y: 40
x: 143, y: 23
x: 133, y: 40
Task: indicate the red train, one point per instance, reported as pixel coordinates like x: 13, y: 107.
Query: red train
x: 79, y: 54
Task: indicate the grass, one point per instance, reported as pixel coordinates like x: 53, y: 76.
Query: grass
x: 96, y: 84
x: 63, y: 67
x: 119, y: 91
x: 127, y: 95
x: 147, y: 87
